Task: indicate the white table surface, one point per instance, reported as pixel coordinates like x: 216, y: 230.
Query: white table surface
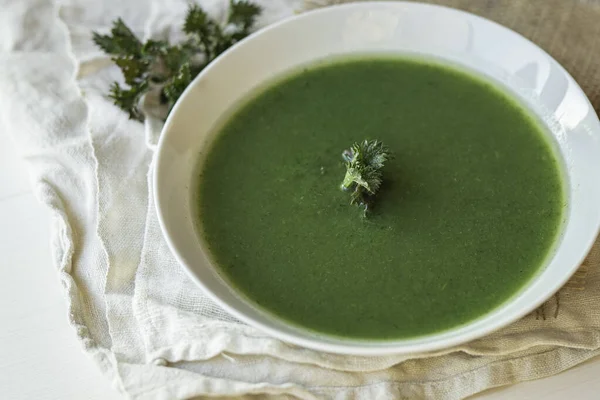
x: 40, y: 357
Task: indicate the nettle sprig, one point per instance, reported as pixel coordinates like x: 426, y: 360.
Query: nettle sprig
x: 166, y: 70
x: 364, y: 163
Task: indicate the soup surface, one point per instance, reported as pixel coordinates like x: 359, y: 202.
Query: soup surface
x: 470, y: 208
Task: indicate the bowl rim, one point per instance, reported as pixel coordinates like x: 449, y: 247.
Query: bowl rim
x: 354, y: 348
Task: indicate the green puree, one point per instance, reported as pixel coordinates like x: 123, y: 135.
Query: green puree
x: 471, y: 205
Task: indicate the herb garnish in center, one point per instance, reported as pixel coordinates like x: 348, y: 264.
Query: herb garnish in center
x: 364, y: 163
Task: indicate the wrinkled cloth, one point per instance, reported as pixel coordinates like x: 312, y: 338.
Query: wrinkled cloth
x: 150, y: 329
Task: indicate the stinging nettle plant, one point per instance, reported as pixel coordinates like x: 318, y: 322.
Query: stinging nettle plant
x: 364, y: 163
x: 157, y: 66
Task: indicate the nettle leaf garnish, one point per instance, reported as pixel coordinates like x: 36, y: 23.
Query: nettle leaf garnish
x: 364, y: 163
x: 163, y: 69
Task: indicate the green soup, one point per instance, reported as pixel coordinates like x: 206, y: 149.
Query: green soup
x: 470, y: 208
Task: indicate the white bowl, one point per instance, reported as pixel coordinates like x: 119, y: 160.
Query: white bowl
x: 396, y: 28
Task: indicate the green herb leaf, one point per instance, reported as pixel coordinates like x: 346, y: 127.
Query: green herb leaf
x: 176, y: 85
x: 120, y: 42
x: 364, y: 164
x: 129, y: 99
x: 133, y: 69
x: 170, y: 68
x: 204, y: 31
x: 243, y: 15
